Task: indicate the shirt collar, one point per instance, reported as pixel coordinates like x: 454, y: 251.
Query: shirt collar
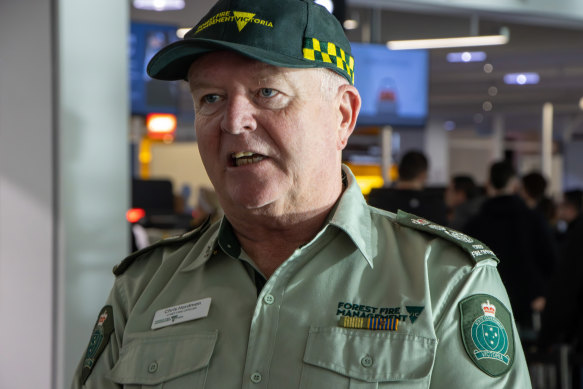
x: 352, y: 215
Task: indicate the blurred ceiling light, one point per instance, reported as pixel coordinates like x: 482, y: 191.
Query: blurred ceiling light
x: 464, y: 41
x: 466, y: 56
x: 521, y: 78
x: 182, y: 31
x: 487, y: 106
x: 492, y: 91
x: 449, y: 125
x: 488, y: 68
x: 328, y: 4
x: 581, y: 103
x: 350, y: 24
x: 159, y: 5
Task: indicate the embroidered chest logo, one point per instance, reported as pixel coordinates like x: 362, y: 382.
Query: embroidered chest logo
x: 489, y: 336
x: 353, y: 315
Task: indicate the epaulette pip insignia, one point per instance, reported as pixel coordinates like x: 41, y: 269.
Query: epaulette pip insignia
x: 478, y: 250
x: 195, y: 233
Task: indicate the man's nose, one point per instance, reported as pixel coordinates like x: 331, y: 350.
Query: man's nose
x: 239, y: 115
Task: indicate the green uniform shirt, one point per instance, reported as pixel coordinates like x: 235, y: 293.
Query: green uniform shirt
x: 375, y: 300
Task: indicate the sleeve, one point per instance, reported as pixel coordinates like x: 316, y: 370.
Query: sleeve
x: 104, y: 344
x: 478, y: 344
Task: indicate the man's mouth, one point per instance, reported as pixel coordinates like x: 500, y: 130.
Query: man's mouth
x: 245, y: 158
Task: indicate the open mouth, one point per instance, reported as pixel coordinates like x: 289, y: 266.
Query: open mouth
x: 246, y: 158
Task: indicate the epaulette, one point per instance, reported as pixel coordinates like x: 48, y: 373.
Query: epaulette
x: 192, y: 234
x: 477, y: 250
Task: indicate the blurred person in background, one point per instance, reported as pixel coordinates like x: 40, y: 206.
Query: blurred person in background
x: 569, y: 215
x: 562, y: 319
x: 409, y: 192
x: 463, y: 199
x: 533, y: 192
x: 521, y: 238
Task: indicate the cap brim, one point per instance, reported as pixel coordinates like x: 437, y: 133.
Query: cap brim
x: 173, y: 61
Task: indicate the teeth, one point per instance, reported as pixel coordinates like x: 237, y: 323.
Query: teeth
x: 245, y: 158
x: 242, y: 154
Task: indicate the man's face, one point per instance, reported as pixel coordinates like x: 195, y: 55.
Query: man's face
x: 268, y: 136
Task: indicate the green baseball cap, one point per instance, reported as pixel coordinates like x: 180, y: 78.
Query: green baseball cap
x: 286, y: 33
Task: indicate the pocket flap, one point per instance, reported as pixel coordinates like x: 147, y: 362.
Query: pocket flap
x: 149, y: 360
x: 372, y: 356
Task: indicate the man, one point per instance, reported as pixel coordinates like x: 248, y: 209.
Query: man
x: 408, y: 193
x: 570, y: 215
x: 301, y: 284
x: 463, y: 200
x: 532, y: 191
x: 522, y: 240
x: 565, y: 296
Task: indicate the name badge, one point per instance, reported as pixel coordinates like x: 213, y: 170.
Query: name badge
x: 181, y: 313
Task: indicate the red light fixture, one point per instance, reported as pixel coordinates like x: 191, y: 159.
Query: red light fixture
x: 161, y: 125
x: 135, y: 214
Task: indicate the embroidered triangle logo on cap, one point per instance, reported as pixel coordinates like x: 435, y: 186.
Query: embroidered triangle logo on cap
x: 242, y: 18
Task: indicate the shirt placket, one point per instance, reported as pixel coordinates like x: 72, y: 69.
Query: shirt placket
x: 264, y: 326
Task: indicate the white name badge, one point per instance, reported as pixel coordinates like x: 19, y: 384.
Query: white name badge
x: 181, y: 313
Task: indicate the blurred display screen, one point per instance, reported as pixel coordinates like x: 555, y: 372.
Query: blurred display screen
x: 148, y: 95
x: 393, y: 85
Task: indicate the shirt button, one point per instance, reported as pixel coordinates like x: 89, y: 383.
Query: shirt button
x: 366, y: 361
x: 153, y: 367
x: 268, y: 299
x: 256, y: 378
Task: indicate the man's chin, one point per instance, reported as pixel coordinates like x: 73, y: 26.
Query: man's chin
x: 254, y: 201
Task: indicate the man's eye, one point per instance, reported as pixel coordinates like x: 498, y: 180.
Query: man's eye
x: 210, y: 98
x: 267, y: 92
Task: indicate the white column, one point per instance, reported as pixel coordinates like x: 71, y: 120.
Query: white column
x: 386, y: 151
x: 436, y: 149
x: 93, y: 165
x: 547, y: 140
x: 498, y: 146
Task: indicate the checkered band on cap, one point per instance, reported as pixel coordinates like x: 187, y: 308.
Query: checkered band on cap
x: 328, y: 52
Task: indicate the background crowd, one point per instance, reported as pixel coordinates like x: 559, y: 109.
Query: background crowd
x: 538, y: 239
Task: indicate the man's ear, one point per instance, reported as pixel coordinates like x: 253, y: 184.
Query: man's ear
x: 349, y: 106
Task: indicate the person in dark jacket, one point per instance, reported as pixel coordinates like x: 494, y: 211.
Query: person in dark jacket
x: 521, y: 238
x: 409, y: 193
x: 463, y: 200
x: 533, y: 191
x: 562, y: 320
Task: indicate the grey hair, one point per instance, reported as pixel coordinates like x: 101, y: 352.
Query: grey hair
x: 330, y: 81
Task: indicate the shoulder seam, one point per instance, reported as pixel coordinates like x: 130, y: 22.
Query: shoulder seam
x: 129, y: 260
x: 477, y: 250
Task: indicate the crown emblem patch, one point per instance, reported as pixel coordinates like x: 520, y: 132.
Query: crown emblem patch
x: 486, y: 327
x: 489, y: 335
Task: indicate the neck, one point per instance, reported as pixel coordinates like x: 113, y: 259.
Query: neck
x: 270, y: 244
x: 269, y: 237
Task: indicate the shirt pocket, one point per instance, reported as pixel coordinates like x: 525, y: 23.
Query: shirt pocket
x: 361, y: 359
x: 177, y: 361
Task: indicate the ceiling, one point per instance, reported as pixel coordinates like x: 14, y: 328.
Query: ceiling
x: 458, y: 90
